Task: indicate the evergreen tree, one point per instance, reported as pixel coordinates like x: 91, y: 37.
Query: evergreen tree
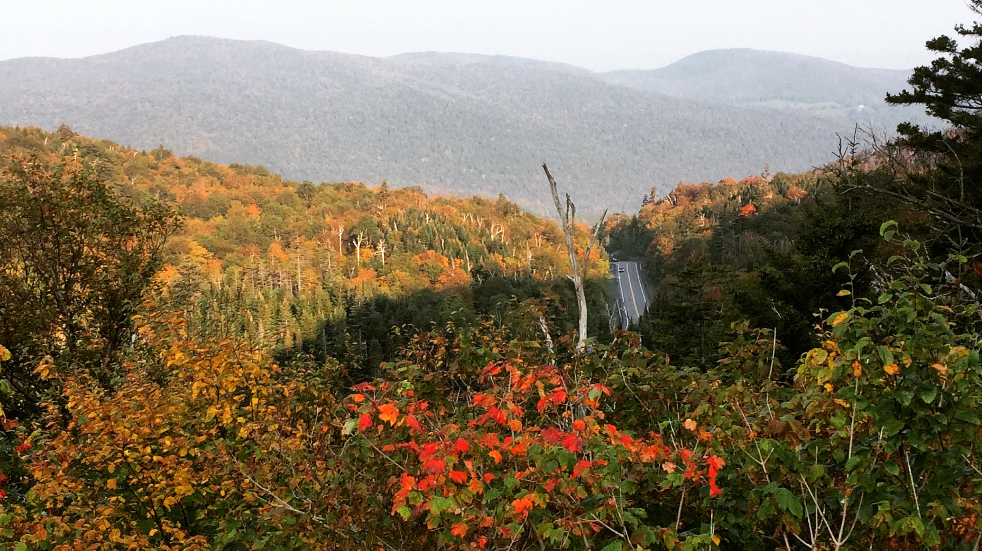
x: 942, y: 178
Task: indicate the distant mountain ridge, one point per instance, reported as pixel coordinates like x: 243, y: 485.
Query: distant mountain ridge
x: 453, y: 123
x: 779, y: 80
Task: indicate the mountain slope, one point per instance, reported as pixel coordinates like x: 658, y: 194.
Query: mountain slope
x: 782, y: 81
x: 466, y: 128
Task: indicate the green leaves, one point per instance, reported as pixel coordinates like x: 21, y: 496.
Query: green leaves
x: 886, y: 356
x: 888, y: 229
x: 788, y: 501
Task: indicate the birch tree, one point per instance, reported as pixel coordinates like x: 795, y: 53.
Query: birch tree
x: 567, y: 217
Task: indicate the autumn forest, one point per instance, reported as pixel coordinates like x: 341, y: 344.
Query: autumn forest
x: 197, y: 355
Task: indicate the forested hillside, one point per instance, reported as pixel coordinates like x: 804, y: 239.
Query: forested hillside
x: 296, y: 267
x: 761, y: 250
x: 475, y: 128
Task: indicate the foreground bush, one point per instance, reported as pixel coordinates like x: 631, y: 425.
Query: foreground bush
x: 473, y: 441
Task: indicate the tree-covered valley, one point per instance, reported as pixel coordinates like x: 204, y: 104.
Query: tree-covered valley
x: 197, y: 355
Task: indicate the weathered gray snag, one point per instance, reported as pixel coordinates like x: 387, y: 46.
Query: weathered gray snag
x: 568, y: 218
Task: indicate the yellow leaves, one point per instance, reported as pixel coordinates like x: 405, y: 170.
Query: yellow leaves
x: 689, y: 424
x: 4, y: 354
x: 857, y: 369
x: 941, y: 369
x: 817, y: 356
x: 716, y: 539
x: 840, y: 318
x: 829, y: 387
x: 45, y: 369
x: 891, y: 369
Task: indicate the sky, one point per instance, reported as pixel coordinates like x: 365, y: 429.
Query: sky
x: 600, y: 35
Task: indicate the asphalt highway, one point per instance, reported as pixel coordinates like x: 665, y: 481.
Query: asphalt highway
x: 632, y: 301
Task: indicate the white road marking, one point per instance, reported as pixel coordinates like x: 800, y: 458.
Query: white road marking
x: 637, y: 274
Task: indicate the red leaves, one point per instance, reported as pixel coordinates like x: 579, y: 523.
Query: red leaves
x: 434, y: 466
x: 365, y: 422
x: 490, y: 441
x: 518, y: 449
x: 430, y: 448
x: 557, y: 397
x: 552, y: 435
x: 572, y: 443
x: 462, y: 452
x: 491, y: 369
x: 494, y: 414
x: 483, y: 400
x: 406, y: 485
x: 715, y: 464
x: 522, y: 506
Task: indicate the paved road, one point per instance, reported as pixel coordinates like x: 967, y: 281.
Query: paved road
x: 632, y: 300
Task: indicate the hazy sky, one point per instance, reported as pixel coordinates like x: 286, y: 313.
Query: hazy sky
x: 599, y: 34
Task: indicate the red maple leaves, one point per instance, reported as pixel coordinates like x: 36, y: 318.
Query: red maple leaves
x: 495, y: 443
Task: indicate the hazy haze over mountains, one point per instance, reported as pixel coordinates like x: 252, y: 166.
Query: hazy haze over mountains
x: 452, y: 122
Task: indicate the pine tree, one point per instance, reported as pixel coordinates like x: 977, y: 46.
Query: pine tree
x: 943, y: 180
